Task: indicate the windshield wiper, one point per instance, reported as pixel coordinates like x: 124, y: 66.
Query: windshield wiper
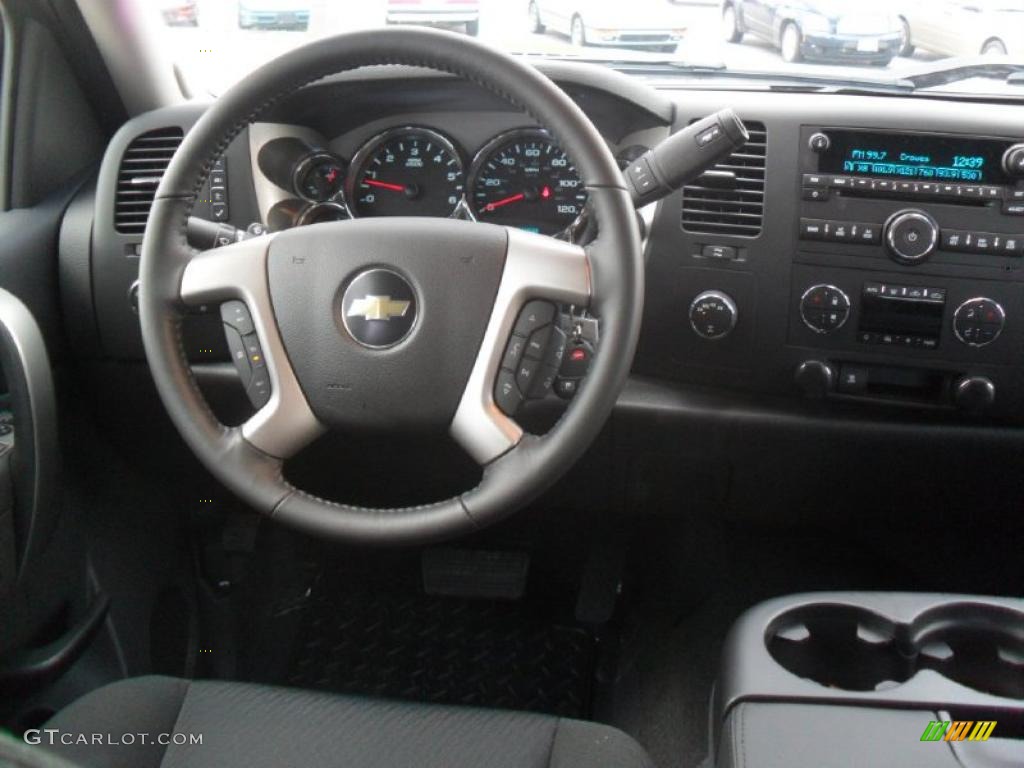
x: 949, y: 71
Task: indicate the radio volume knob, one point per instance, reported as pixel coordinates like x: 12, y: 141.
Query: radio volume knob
x: 1013, y: 161
x: 911, y: 236
x: 713, y: 315
x: 819, y: 143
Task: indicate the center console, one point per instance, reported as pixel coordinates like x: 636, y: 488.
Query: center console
x: 873, y: 679
x: 909, y: 247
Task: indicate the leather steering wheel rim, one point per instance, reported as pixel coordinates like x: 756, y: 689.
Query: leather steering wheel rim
x: 610, y: 269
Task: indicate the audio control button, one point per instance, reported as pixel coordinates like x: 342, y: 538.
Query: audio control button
x: 912, y: 236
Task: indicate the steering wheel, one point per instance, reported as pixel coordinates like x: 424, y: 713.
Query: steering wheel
x: 458, y: 286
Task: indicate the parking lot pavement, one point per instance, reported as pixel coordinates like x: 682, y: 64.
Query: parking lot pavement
x: 217, y: 52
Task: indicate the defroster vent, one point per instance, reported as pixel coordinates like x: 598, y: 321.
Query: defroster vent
x: 142, y: 167
x: 729, y: 199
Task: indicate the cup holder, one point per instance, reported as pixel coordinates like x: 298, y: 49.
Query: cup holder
x: 850, y: 648
x: 840, y: 646
x: 979, y: 646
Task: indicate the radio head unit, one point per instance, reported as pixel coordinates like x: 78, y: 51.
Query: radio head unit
x: 915, y: 157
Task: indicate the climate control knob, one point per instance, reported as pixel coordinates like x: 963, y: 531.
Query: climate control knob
x: 978, y: 322
x: 911, y: 236
x: 824, y: 308
x: 713, y: 315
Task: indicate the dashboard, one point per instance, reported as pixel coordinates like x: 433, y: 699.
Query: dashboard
x: 864, y: 255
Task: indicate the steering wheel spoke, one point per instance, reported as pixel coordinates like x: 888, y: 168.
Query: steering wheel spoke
x: 284, y: 423
x: 536, y: 268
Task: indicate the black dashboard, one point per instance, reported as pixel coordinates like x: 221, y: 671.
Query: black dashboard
x: 864, y: 251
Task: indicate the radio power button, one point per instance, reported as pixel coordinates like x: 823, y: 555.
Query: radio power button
x: 911, y: 236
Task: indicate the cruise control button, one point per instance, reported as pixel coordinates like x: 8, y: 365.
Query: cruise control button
x: 506, y: 394
x: 259, y: 387
x: 238, y: 354
x: 253, y: 350
x: 537, y: 344
x: 534, y: 315
x: 236, y: 314
x: 514, y: 351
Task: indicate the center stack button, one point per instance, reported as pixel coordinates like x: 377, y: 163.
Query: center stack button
x: 824, y: 308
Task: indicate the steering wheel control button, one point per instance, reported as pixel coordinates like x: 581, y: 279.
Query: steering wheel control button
x: 526, y: 374
x: 911, y: 236
x: 239, y: 355
x: 537, y: 344
x: 514, y: 351
x: 824, y: 308
x: 713, y: 315
x: 507, y: 396
x: 534, y: 315
x: 978, y: 322
x: 236, y: 315
x: 253, y: 351
x: 259, y: 388
x: 378, y: 308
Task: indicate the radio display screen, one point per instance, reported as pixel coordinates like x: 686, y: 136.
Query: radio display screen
x: 914, y: 157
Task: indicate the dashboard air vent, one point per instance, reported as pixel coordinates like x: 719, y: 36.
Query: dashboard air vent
x: 142, y: 167
x: 729, y: 199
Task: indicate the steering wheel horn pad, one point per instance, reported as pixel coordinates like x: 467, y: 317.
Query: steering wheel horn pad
x: 453, y: 269
x: 466, y: 283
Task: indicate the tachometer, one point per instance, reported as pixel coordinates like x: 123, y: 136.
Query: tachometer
x: 406, y: 172
x: 522, y: 179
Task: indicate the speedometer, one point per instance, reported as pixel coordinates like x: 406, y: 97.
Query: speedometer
x: 406, y: 172
x: 522, y: 179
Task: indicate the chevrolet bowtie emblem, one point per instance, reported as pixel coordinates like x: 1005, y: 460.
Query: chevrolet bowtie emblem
x: 378, y: 308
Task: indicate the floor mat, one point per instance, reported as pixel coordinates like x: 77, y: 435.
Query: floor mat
x: 444, y: 650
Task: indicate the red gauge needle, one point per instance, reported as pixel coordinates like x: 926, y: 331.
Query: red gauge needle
x: 505, y: 201
x: 384, y: 185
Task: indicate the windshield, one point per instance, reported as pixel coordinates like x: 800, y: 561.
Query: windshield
x: 885, y: 42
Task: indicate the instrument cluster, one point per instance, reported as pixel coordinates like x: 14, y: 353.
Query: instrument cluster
x: 520, y: 178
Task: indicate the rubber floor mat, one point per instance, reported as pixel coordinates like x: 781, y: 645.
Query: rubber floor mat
x: 444, y: 650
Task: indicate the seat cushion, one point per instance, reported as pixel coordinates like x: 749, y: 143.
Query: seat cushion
x: 253, y: 726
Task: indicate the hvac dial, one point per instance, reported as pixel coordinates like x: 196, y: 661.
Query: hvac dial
x: 406, y: 172
x: 522, y: 179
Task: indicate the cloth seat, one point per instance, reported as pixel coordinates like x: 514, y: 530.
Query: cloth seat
x: 251, y: 726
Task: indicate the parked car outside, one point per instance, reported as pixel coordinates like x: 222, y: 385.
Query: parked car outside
x: 273, y: 14
x: 449, y: 14
x: 963, y: 27
x: 180, y: 13
x: 646, y: 24
x: 831, y: 31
